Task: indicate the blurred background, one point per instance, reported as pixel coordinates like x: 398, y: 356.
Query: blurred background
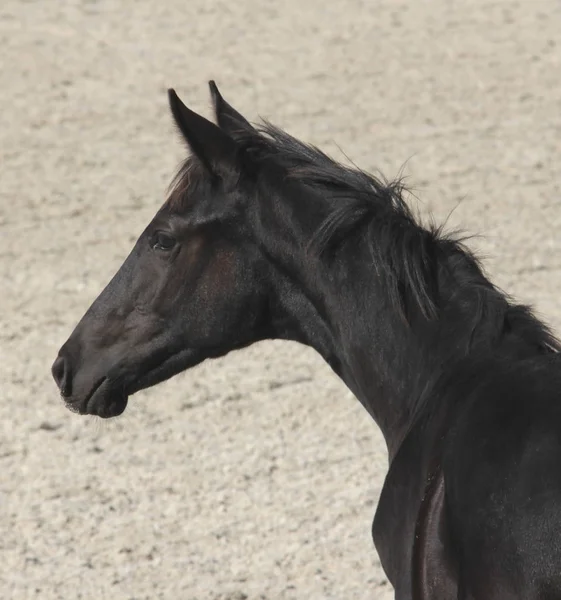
x: 255, y: 476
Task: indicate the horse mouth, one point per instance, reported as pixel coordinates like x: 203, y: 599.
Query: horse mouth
x: 103, y: 401
x: 107, y: 398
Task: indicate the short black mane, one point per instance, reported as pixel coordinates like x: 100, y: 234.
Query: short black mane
x: 405, y: 250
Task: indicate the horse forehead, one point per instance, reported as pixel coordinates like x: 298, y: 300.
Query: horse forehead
x: 193, y: 204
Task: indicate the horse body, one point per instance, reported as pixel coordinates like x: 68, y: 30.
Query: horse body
x: 264, y: 237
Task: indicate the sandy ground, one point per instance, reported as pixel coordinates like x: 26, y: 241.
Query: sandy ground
x: 255, y: 476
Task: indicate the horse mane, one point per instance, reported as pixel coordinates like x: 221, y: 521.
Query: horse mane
x: 411, y: 255
x: 404, y: 250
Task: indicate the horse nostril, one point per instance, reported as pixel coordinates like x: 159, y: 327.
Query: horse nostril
x: 61, y: 374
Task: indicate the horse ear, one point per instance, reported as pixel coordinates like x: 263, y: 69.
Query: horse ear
x: 228, y: 118
x: 212, y: 146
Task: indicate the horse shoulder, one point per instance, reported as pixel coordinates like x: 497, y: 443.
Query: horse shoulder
x: 434, y: 572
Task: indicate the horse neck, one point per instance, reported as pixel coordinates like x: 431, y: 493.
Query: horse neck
x: 344, y: 313
x: 342, y: 307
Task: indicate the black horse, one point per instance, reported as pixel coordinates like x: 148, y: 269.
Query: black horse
x: 265, y: 237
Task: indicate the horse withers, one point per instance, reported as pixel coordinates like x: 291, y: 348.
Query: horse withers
x: 264, y: 237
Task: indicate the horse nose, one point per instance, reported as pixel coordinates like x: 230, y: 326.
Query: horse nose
x: 61, y: 375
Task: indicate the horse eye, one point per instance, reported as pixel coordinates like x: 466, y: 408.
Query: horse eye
x: 162, y: 241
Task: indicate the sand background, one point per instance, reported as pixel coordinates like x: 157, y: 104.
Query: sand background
x: 255, y: 476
